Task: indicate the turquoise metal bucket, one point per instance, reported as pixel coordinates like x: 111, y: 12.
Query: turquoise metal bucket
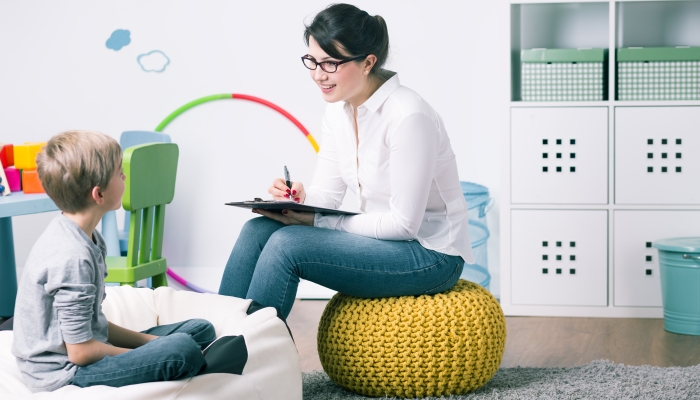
x: 679, y: 262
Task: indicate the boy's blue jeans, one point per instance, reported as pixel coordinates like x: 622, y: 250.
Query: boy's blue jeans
x: 176, y: 354
x: 269, y: 258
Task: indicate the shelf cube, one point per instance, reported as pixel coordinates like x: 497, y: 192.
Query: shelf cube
x: 559, y: 257
x: 658, y: 73
x: 637, y: 280
x: 657, y: 155
x: 562, y: 74
x: 559, y: 155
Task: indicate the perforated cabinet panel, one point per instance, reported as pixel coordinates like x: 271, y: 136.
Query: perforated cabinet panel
x: 559, y: 257
x: 559, y: 155
x: 636, y: 263
x: 657, y: 155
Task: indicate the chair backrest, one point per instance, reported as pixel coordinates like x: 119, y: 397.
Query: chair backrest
x: 150, y: 171
x: 135, y: 138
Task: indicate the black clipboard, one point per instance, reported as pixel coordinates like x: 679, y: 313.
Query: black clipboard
x: 278, y: 206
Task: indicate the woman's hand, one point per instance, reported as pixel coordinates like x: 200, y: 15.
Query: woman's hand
x: 281, y: 192
x: 289, y: 217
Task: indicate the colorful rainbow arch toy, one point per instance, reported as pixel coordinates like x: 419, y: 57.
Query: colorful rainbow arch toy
x: 214, y: 97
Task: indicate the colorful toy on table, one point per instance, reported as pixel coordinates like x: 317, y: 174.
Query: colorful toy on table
x: 25, y: 160
x: 25, y: 154
x: 31, y: 182
x: 7, y: 155
x: 14, y: 179
x: 4, y: 186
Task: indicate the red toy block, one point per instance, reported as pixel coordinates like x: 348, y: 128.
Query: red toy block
x: 31, y: 182
x: 7, y: 155
x: 14, y: 179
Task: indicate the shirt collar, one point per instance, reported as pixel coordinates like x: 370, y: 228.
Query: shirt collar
x: 379, y: 97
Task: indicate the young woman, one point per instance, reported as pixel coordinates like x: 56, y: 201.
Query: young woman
x: 390, y: 148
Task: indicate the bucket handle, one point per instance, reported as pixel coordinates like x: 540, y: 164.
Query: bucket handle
x: 688, y: 256
x: 485, y: 208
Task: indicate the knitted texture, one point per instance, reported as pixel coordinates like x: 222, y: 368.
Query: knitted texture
x: 413, y: 346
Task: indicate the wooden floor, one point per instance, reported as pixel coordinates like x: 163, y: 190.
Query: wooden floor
x: 547, y: 342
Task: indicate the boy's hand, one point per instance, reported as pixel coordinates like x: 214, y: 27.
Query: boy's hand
x: 90, y: 352
x: 127, y: 338
x: 150, y: 337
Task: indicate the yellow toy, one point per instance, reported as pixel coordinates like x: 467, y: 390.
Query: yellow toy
x: 25, y: 154
x: 413, y: 346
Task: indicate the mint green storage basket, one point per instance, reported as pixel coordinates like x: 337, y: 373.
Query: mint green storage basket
x: 679, y: 261
x: 658, y: 73
x: 562, y: 74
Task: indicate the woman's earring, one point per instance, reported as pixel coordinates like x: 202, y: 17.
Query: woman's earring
x: 366, y: 72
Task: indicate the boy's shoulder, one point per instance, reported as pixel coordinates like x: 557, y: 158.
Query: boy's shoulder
x: 62, y: 238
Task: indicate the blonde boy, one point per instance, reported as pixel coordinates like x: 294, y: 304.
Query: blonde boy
x: 61, y: 336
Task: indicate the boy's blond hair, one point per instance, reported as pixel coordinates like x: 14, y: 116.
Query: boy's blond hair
x: 73, y: 163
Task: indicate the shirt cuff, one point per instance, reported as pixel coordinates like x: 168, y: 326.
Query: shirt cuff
x: 327, y: 221
x: 77, y: 338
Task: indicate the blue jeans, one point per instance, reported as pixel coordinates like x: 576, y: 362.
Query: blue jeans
x: 269, y: 258
x: 176, y: 354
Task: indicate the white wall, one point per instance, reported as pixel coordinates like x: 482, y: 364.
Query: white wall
x: 57, y: 74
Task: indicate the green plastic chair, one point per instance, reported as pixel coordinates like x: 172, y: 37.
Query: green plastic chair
x: 150, y: 171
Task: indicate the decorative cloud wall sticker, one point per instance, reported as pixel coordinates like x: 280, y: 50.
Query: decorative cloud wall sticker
x: 153, y: 61
x: 118, y: 39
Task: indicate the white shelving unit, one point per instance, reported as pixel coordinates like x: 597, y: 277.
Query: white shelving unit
x: 587, y: 186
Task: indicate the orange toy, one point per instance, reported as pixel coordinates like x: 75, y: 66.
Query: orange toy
x: 31, y: 182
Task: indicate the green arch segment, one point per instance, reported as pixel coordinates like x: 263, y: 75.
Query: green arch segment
x: 189, y: 105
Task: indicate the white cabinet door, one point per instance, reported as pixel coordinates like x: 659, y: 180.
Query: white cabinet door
x: 657, y: 155
x: 636, y: 262
x: 559, y: 155
x: 559, y: 257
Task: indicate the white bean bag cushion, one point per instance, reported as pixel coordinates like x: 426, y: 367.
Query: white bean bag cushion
x: 271, y: 370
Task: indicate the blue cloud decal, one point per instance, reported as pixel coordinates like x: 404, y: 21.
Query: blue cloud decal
x: 119, y: 39
x: 153, y: 61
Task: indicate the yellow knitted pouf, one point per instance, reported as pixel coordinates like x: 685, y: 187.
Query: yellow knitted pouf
x: 413, y: 346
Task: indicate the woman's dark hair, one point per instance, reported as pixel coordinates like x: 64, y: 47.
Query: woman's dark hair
x: 346, y: 27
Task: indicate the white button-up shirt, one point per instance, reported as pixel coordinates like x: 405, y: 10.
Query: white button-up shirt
x: 403, y: 172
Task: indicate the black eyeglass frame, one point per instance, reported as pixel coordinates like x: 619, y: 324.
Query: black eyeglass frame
x: 335, y: 63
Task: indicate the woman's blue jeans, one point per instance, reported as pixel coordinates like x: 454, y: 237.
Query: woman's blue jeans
x: 269, y: 258
x: 176, y: 354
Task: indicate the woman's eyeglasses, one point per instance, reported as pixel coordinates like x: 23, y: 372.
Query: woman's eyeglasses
x: 326, y: 66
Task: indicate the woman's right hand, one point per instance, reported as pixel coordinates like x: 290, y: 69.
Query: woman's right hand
x: 281, y: 192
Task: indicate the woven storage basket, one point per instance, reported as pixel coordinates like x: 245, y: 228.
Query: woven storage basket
x: 658, y: 73
x: 562, y: 74
x: 413, y: 346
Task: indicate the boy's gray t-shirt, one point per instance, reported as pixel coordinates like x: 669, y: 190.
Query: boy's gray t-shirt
x: 59, y: 300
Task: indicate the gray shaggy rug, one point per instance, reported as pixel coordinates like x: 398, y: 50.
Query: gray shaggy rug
x: 600, y: 379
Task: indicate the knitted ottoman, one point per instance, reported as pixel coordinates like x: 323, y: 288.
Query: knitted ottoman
x: 413, y: 346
